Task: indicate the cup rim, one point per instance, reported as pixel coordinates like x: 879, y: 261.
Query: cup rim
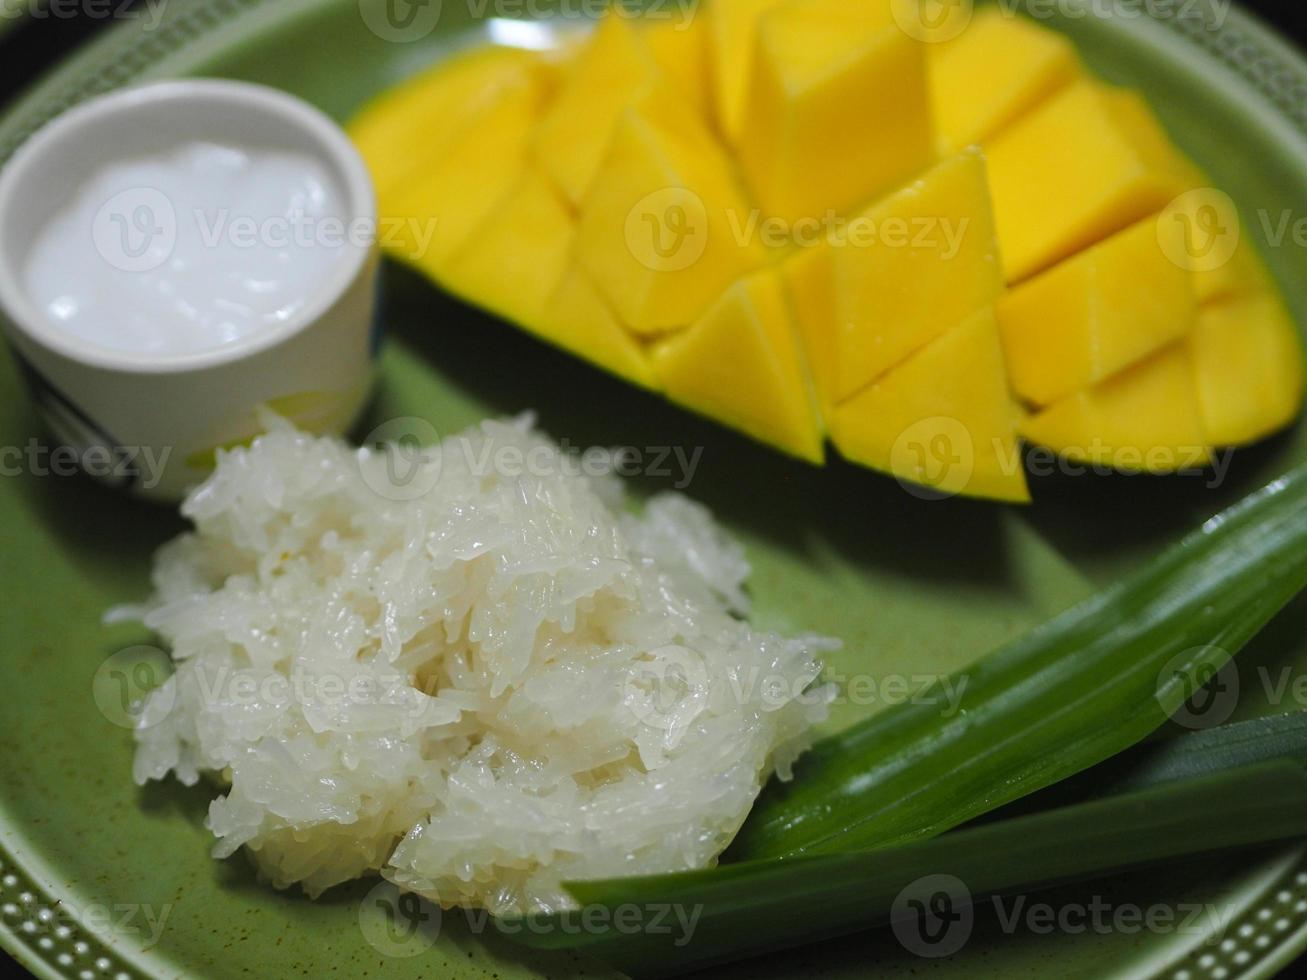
x: 358, y: 191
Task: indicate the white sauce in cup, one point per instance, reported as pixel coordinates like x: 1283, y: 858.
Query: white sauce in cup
x: 189, y: 251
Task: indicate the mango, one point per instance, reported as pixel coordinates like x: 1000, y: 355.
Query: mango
x: 837, y: 111
x: 1080, y: 167
x: 659, y: 227
x: 929, y: 260
x: 427, y: 218
x: 1146, y: 419
x: 733, y: 36
x: 1097, y: 313
x: 410, y: 127
x: 577, y: 319
x: 679, y: 45
x: 809, y: 281
x: 742, y: 364
x: 944, y: 418
x: 993, y: 73
x: 613, y: 69
x: 1248, y: 361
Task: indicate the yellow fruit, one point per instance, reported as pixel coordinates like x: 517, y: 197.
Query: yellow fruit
x: 741, y: 364
x: 1096, y: 314
x: 733, y: 36
x: 1143, y: 420
x: 837, y: 109
x: 910, y: 269
x: 997, y: 70
x: 425, y: 219
x: 577, y: 319
x: 679, y: 45
x: 410, y: 127
x: 1074, y: 171
x: 944, y: 418
x: 809, y: 280
x: 612, y: 70
x: 660, y: 226
x: 1248, y: 361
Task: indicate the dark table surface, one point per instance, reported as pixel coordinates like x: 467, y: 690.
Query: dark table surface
x: 37, y: 45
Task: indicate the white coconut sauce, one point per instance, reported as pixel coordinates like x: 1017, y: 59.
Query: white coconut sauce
x: 190, y: 251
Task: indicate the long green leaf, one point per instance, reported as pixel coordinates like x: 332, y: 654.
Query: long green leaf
x: 1073, y: 693
x: 757, y: 906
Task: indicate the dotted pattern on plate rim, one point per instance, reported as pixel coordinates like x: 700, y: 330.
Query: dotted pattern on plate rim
x: 1252, y: 942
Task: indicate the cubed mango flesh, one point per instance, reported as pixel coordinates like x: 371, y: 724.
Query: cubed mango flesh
x: 910, y: 268
x: 994, y: 72
x: 614, y: 68
x: 679, y: 45
x: 660, y: 225
x: 1146, y: 419
x: 742, y: 364
x: 837, y: 111
x: 733, y: 36
x: 944, y: 418
x: 1096, y: 314
x: 1074, y: 171
x: 1248, y: 360
x: 577, y: 319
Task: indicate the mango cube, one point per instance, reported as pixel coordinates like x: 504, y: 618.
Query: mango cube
x: 733, y: 35
x: 680, y: 49
x: 1096, y: 314
x: 929, y: 260
x: 1144, y: 420
x: 613, y: 69
x: 943, y: 419
x: 1248, y: 360
x: 993, y: 73
x: 517, y: 258
x: 660, y: 225
x: 577, y: 319
x: 429, y: 217
x: 1080, y: 167
x: 838, y: 109
x: 742, y: 364
x: 809, y: 280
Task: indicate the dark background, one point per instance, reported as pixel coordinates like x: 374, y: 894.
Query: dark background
x: 37, y: 45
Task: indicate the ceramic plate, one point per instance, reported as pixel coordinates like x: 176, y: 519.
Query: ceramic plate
x: 99, y: 879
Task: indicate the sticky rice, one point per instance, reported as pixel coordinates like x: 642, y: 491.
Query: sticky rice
x: 479, y: 680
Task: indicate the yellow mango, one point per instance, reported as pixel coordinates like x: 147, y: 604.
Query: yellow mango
x: 1074, y: 171
x: 809, y: 280
x: 943, y: 419
x: 427, y: 218
x: 411, y: 126
x: 680, y: 48
x: 1248, y: 360
x: 577, y: 319
x: 515, y: 261
x: 612, y: 70
x: 659, y: 227
x: 911, y: 268
x: 742, y: 365
x: 994, y: 72
x: 733, y: 35
x: 1096, y: 314
x: 1144, y: 420
x: 838, y: 109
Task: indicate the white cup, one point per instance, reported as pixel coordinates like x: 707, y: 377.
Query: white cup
x: 119, y: 409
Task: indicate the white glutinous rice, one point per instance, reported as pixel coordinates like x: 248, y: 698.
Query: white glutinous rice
x: 476, y: 671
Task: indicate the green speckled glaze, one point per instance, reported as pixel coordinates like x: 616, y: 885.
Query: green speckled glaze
x: 914, y: 587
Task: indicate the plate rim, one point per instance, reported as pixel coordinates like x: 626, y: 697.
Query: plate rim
x: 1261, y: 56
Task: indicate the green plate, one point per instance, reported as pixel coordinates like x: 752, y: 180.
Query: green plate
x: 99, y: 879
